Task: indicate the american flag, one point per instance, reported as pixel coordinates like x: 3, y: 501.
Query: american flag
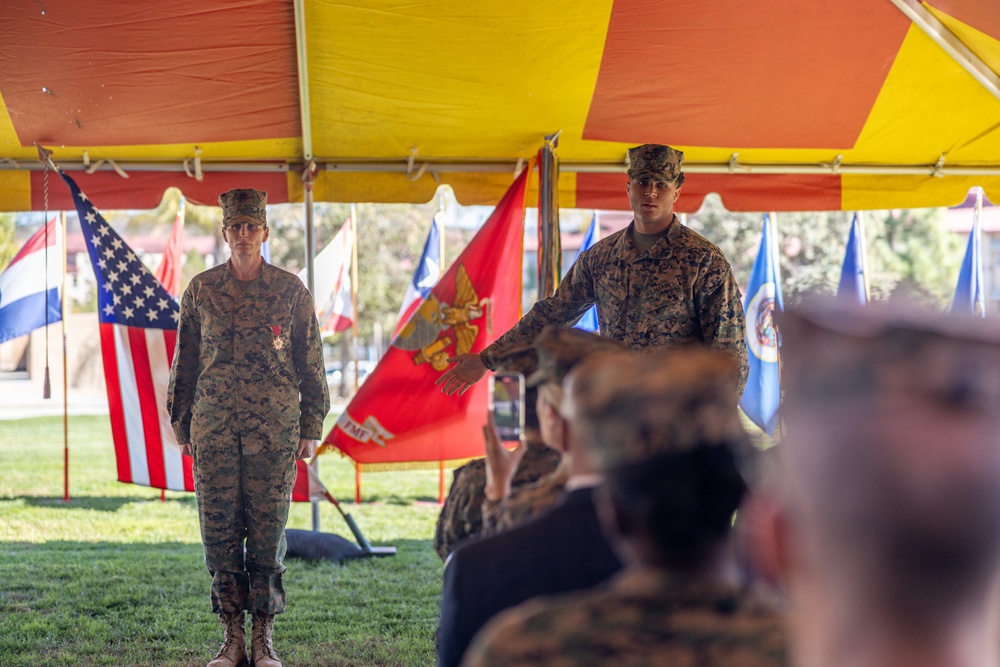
x: 138, y: 324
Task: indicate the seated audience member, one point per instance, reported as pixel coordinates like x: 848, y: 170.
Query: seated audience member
x: 461, y: 516
x: 882, y: 520
x: 664, y: 429
x: 560, y: 550
x: 557, y: 351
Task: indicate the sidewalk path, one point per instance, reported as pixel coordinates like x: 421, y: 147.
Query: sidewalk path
x: 22, y: 398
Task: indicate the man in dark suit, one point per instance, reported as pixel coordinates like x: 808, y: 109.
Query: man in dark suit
x: 561, y: 550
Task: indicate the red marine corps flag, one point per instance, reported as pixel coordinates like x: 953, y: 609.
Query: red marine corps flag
x: 398, y: 414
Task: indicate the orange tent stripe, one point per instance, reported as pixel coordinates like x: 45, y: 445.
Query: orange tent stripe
x: 983, y: 16
x: 802, y: 77
x: 152, y: 73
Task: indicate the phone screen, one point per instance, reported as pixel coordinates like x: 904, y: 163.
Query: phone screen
x: 507, y: 405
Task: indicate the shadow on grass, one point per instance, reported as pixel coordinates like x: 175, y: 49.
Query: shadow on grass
x: 99, y: 503
x: 381, y: 499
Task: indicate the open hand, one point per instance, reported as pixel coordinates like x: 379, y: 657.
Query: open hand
x: 467, y: 371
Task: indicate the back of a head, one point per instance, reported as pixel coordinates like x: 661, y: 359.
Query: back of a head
x: 664, y: 428
x: 891, y: 453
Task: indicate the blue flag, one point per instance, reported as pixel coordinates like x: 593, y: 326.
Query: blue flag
x: 762, y: 395
x: 588, y: 321
x: 969, y: 297
x: 852, y: 273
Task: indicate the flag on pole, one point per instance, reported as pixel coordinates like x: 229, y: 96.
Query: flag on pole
x: 332, y: 287
x: 398, y: 415
x: 138, y: 329
x: 588, y: 321
x: 29, y: 289
x: 169, y: 270
x: 424, y: 278
x: 762, y: 395
x: 969, y: 297
x: 853, y: 282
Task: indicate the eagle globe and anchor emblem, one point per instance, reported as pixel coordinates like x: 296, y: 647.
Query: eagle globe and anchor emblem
x: 436, y: 325
x: 762, y: 336
x: 432, y: 329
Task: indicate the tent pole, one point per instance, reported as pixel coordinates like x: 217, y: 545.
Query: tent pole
x: 480, y: 165
x: 549, y: 243
x: 308, y: 176
x: 354, y: 326
x: 966, y: 58
x: 354, y: 291
x: 302, y: 60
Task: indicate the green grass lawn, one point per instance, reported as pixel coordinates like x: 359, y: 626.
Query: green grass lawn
x: 116, y: 577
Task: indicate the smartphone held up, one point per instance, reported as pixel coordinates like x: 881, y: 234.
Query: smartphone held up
x: 507, y: 405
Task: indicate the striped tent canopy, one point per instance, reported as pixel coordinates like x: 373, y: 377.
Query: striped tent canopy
x: 777, y: 104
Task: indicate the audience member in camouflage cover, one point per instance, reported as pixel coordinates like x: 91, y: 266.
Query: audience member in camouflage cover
x: 655, y: 283
x: 247, y: 397
x: 557, y: 351
x: 882, y: 517
x: 461, y: 516
x: 665, y: 429
x: 561, y: 548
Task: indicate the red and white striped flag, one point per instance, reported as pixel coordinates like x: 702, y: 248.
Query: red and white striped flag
x: 138, y: 324
x: 169, y: 270
x: 332, y: 287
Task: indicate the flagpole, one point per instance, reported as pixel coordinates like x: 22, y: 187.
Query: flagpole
x: 354, y: 289
x: 978, y: 228
x: 62, y: 293
x: 354, y: 327
x: 864, y: 254
x: 439, y: 220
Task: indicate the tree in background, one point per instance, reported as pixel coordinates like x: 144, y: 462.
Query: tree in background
x: 8, y: 244
x: 909, y: 250
x: 390, y: 239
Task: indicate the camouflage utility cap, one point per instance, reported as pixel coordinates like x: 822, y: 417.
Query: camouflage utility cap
x: 243, y: 205
x: 655, y: 160
x: 840, y: 354
x: 560, y: 349
x: 665, y: 401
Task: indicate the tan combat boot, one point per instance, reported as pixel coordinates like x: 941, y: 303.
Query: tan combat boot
x: 234, y: 647
x: 261, y: 651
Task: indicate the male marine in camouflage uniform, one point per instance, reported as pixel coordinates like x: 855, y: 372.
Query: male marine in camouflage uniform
x: 461, y: 516
x: 655, y: 283
x: 664, y: 428
x: 247, y: 397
